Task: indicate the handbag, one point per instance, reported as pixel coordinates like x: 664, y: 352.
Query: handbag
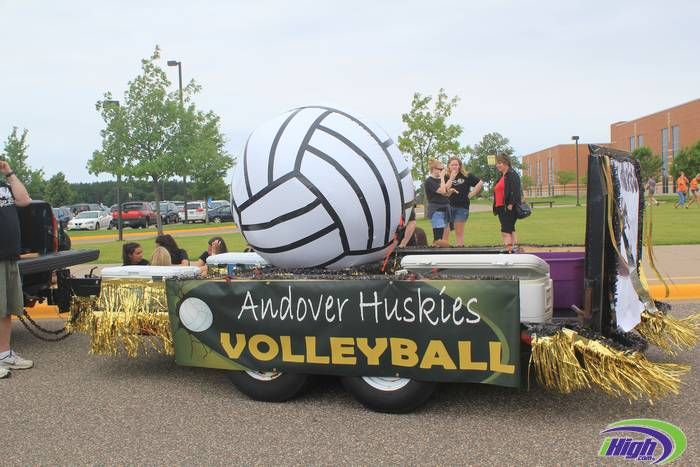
x: 522, y: 210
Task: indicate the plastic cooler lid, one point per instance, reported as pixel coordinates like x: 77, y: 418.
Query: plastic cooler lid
x: 248, y: 259
x: 151, y: 271
x: 521, y: 265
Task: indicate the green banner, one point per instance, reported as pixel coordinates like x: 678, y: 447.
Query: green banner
x: 430, y: 330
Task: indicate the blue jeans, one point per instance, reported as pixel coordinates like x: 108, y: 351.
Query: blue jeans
x: 459, y: 214
x: 681, y: 198
x: 439, y: 220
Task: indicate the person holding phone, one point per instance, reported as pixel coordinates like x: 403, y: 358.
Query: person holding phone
x: 465, y: 185
x: 438, y: 189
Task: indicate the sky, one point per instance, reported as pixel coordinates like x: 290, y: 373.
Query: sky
x: 537, y: 72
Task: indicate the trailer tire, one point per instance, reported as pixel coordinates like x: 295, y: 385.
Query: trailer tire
x: 390, y: 395
x: 268, y: 386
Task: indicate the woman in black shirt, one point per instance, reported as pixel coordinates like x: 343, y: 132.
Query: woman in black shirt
x: 178, y: 256
x: 437, y: 193
x: 132, y: 255
x: 462, y: 182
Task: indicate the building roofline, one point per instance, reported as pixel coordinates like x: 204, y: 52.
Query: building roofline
x: 624, y: 122
x: 565, y: 144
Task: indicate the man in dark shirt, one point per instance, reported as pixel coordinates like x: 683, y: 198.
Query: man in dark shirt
x: 12, y: 194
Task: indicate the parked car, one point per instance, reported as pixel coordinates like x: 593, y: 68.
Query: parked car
x: 169, y: 213
x: 196, y: 211
x: 135, y: 214
x: 46, y: 255
x: 90, y: 220
x: 218, y: 202
x: 180, y: 205
x: 221, y: 214
x: 80, y: 207
x: 62, y: 215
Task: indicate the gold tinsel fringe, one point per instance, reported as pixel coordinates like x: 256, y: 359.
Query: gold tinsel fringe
x: 618, y: 373
x: 125, y: 312
x: 668, y: 333
x: 555, y: 363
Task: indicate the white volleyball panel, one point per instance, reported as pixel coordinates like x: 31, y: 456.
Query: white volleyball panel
x: 321, y: 185
x: 286, y: 197
x: 290, y: 231
x: 314, y: 253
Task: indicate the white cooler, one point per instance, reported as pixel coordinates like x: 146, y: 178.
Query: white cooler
x: 148, y: 272
x: 536, y: 300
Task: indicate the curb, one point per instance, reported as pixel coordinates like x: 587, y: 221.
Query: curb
x: 676, y: 292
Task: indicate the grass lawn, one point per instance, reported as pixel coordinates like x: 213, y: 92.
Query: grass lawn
x: 170, y: 228
x: 547, y: 226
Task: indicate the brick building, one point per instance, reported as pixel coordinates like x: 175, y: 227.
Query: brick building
x: 543, y: 166
x: 665, y: 132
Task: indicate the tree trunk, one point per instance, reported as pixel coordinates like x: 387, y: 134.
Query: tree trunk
x: 156, y: 192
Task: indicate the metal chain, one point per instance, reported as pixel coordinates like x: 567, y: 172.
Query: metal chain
x: 47, y: 331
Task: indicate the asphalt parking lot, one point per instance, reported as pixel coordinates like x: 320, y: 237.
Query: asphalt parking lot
x: 76, y: 408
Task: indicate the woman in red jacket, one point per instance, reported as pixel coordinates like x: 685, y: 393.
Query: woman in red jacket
x: 507, y: 194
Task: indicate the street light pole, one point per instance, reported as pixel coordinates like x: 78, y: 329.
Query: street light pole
x: 178, y: 64
x: 575, y: 138
x: 120, y: 234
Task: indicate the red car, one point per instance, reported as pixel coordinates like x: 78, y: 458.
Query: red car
x: 135, y: 214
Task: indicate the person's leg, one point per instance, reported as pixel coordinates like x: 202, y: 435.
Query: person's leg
x: 5, y: 333
x: 459, y: 233
x: 446, y: 234
x: 438, y: 233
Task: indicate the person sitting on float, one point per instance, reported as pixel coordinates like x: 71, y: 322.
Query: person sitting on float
x: 161, y: 257
x: 132, y: 255
x: 215, y: 246
x: 178, y: 256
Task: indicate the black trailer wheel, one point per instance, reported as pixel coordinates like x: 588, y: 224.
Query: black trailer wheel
x: 268, y: 386
x: 388, y: 394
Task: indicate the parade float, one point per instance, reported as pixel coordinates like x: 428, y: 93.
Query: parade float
x: 319, y: 195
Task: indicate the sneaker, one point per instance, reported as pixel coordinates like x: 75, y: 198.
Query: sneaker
x: 15, y: 362
x: 4, y: 372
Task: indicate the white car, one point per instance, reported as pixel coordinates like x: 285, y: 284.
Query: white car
x: 90, y: 220
x: 195, y: 212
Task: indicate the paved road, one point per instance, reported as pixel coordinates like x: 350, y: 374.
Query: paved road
x: 74, y: 408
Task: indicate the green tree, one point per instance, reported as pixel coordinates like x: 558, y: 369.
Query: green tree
x: 650, y: 164
x: 687, y: 160
x: 428, y: 135
x: 143, y: 132
x: 564, y: 177
x: 16, y: 153
x: 58, y: 190
x: 490, y: 145
x: 205, y: 147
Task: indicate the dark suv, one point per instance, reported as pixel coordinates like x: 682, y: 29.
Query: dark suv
x: 45, y: 251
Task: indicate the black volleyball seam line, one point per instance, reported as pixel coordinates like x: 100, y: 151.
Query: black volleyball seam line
x: 245, y: 167
x: 404, y: 172
x: 330, y: 261
x: 299, y: 243
x: 379, y: 142
x: 353, y: 253
x: 353, y: 184
x: 307, y: 137
x: 375, y: 171
x: 275, y: 142
x: 284, y: 217
x: 387, y: 143
x: 253, y: 198
x: 408, y: 205
x: 329, y: 209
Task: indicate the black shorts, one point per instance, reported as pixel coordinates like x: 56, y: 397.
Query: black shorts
x: 507, y: 219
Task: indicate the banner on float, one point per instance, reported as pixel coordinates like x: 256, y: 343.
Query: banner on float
x: 628, y: 306
x: 432, y: 330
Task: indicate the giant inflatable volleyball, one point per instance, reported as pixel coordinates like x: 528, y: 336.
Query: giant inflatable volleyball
x: 318, y: 187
